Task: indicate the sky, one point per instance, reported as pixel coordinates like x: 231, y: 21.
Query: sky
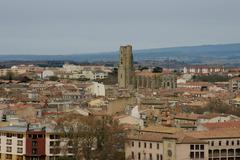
x: 87, y: 26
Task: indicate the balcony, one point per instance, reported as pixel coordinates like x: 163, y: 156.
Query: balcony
x: 216, y: 153
x: 231, y: 153
x: 237, y: 152
x: 223, y: 153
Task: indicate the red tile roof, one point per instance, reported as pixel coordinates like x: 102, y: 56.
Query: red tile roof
x: 229, y: 124
x: 216, y: 133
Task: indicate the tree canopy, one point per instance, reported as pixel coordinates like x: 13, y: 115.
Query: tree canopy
x: 93, y: 137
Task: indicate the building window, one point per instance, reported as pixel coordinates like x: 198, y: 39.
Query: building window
x: 212, y: 143
x: 168, y: 84
x: 70, y: 150
x: 8, y: 156
x: 19, y: 135
x: 232, y: 143
x: 238, y: 142
x: 34, y: 151
x: 132, y: 143
x: 197, y: 154
x: 40, y: 136
x: 19, y: 157
x: 9, y: 142
x: 157, y: 145
x: 202, y: 147
x: 132, y: 155
x: 139, y: 156
x: 34, y: 136
x: 52, y: 151
x: 19, y: 150
x: 192, y: 147
x: 145, y: 145
x: 191, y: 155
x: 227, y: 143
x: 219, y: 143
x: 9, y: 149
x: 34, y: 143
x: 19, y: 142
x: 57, y: 143
x: 201, y: 154
x: 51, y: 143
x: 9, y: 135
x: 197, y: 147
x: 51, y: 136
x: 70, y: 143
x: 57, y: 150
x: 57, y: 136
x: 150, y: 156
x: 158, y: 157
x: 150, y: 145
x: 139, y: 144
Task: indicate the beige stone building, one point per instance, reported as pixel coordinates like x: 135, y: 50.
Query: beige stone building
x: 158, y: 143
x: 125, y: 68
x: 165, y: 146
x: 128, y: 78
x: 147, y: 79
x: 224, y: 144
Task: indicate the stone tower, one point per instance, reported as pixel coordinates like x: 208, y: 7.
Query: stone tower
x: 125, y: 67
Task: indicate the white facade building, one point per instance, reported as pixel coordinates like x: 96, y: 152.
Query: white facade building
x: 47, y: 74
x: 97, y: 89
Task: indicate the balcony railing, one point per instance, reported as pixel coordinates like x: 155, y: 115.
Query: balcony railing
x: 215, y: 155
x: 238, y: 154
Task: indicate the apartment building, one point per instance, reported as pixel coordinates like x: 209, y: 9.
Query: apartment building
x: 35, y: 145
x: 72, y: 68
x: 57, y: 146
x: 89, y: 72
x: 203, y: 69
x: 25, y: 143
x: 12, y: 143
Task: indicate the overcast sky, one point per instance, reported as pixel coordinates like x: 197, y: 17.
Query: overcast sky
x: 80, y: 26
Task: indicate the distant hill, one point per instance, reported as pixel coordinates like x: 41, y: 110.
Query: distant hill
x: 224, y: 53
x: 224, y: 50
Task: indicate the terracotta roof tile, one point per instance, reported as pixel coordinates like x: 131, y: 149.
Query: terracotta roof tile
x: 216, y: 133
x: 229, y: 124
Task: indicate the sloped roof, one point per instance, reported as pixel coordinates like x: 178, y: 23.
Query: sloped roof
x: 229, y: 124
x: 216, y: 133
